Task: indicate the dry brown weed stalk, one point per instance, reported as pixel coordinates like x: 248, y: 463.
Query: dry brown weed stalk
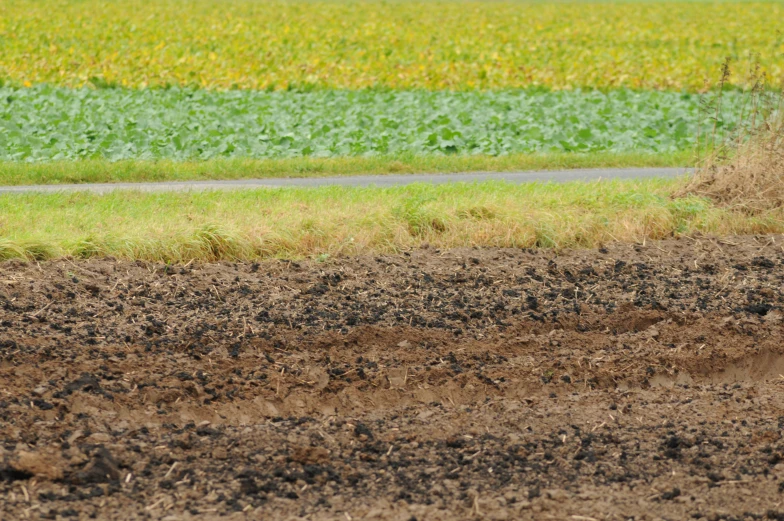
x: 744, y: 170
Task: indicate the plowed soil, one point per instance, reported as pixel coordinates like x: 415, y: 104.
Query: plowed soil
x: 630, y: 382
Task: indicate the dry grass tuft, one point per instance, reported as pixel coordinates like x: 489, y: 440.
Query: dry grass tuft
x: 753, y: 180
x: 745, y: 171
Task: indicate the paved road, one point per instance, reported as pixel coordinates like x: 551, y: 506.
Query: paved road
x: 558, y: 176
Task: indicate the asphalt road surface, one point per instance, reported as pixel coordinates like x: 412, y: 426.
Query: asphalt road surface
x: 558, y: 176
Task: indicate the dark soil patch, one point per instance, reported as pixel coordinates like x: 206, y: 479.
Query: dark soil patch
x: 633, y: 382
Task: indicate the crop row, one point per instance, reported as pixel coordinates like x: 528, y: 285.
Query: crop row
x: 47, y: 123
x: 457, y: 45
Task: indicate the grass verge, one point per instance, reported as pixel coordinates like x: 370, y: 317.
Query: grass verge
x: 335, y: 221
x: 102, y: 171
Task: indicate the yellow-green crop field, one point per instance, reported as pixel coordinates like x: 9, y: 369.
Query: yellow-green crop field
x: 434, y: 45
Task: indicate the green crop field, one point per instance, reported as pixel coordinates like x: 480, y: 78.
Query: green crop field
x: 105, y: 91
x: 272, y: 81
x: 47, y: 123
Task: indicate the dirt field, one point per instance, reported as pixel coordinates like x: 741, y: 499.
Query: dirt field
x: 632, y: 382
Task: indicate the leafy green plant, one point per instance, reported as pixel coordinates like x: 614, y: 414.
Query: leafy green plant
x: 46, y: 123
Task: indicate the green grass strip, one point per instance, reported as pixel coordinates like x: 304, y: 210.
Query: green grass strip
x: 337, y: 221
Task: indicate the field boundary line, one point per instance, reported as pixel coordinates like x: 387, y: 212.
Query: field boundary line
x: 387, y: 180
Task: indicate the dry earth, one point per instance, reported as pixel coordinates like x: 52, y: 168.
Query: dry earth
x: 632, y: 382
